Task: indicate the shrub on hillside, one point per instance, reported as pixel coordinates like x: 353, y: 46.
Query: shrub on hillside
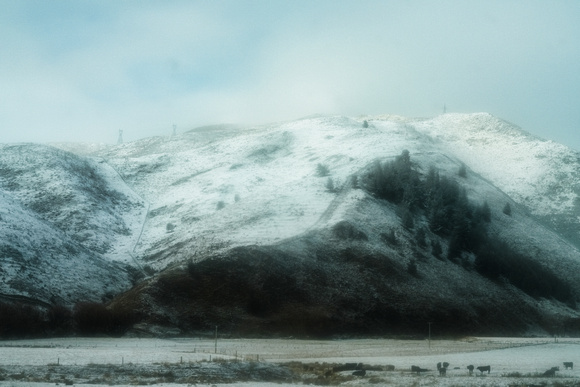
x: 436, y: 249
x: 420, y: 237
x: 330, y: 185
x: 322, y: 170
x: 507, y: 209
x: 462, y: 171
x: 390, y: 237
x: 345, y: 230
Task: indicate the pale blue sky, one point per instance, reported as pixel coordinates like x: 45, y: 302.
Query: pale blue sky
x: 81, y: 70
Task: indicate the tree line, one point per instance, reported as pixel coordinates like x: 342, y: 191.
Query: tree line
x: 441, y: 203
x: 19, y: 320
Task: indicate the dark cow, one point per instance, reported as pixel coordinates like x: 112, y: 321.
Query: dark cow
x: 551, y: 372
x: 569, y: 364
x: 442, y: 368
x: 418, y: 370
x: 470, y: 368
x: 482, y: 369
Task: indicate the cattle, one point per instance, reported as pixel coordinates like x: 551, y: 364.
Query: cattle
x: 551, y: 372
x: 470, y: 368
x: 569, y: 364
x: 482, y: 369
x: 418, y: 370
x: 442, y: 368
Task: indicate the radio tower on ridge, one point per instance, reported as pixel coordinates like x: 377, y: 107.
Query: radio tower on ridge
x: 120, y: 140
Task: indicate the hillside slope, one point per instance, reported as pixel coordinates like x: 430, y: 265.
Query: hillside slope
x: 257, y: 199
x: 65, y: 223
x: 229, y: 187
x: 543, y: 176
x: 276, y: 228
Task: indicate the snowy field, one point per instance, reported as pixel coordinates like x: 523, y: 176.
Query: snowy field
x: 247, y: 362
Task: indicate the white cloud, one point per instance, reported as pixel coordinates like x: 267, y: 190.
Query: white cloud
x: 143, y: 66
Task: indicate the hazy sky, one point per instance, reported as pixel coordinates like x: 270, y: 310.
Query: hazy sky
x: 81, y: 70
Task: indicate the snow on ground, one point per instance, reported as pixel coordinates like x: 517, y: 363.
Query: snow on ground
x: 83, y: 197
x: 536, y: 172
x: 254, y: 186
x: 123, y: 244
x: 219, y: 187
x: 512, y: 361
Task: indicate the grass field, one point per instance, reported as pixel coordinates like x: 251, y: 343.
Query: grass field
x: 285, y: 362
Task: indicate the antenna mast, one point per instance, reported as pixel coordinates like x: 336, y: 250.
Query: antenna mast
x: 120, y: 140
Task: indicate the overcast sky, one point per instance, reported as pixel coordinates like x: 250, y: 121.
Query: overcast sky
x: 81, y: 70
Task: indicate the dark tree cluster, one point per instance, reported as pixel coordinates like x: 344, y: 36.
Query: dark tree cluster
x: 452, y: 217
x: 92, y: 318
x: 498, y: 261
x: 444, y: 203
x: 396, y: 181
x: 20, y: 320
x: 17, y: 320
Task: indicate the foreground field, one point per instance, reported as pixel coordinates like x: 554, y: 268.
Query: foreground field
x: 246, y: 362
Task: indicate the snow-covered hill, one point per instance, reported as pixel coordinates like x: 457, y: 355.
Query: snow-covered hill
x: 65, y: 222
x: 224, y: 187
x: 290, y: 195
x: 543, y: 176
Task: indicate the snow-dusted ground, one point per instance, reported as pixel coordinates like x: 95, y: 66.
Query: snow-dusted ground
x: 541, y: 174
x: 507, y: 357
x: 218, y: 188
x: 64, y: 221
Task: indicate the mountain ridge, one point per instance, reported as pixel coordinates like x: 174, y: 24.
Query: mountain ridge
x: 296, y: 191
